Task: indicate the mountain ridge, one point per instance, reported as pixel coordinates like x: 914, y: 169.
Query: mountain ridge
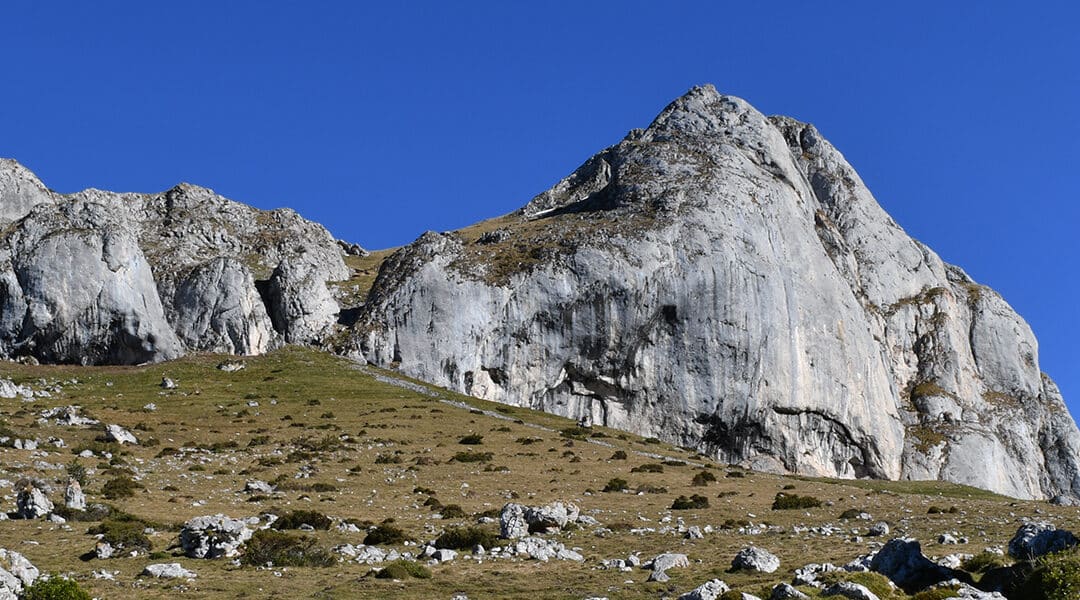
x: 721, y: 280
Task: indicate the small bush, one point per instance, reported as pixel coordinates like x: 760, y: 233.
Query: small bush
x: 702, y: 479
x: 452, y: 511
x: 794, y: 501
x: 851, y: 513
x: 735, y: 475
x: 1056, y: 577
x: 284, y: 550
x: 619, y: 455
x: 385, y: 534
x: 937, y: 510
x: 472, y: 439
x: 575, y: 433
x: 126, y: 535
x: 403, y: 569
x: 120, y: 487
x: 77, y: 472
x: 651, y: 440
x: 694, y: 501
x: 648, y: 468
x: 55, y: 588
x: 465, y: 538
x: 470, y: 457
x: 984, y: 561
x: 651, y: 489
x: 296, y: 518
x: 616, y: 484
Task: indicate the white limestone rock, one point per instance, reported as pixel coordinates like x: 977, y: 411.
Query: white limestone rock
x: 724, y: 280
x: 214, y: 536
x: 710, y: 590
x: 1039, y: 538
x: 168, y: 571
x: 16, y: 573
x: 755, y: 559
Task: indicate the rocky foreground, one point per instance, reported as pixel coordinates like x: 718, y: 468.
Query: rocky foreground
x: 300, y: 474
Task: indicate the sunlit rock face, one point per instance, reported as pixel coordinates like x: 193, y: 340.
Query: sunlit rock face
x: 723, y: 280
x: 101, y: 277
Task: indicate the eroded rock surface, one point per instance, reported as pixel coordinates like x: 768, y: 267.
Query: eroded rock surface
x: 724, y: 280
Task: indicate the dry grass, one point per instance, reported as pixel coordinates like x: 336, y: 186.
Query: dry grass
x: 320, y: 411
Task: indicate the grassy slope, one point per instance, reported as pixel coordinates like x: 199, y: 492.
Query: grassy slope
x: 318, y: 395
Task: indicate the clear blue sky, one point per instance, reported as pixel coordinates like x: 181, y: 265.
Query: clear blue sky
x: 382, y: 120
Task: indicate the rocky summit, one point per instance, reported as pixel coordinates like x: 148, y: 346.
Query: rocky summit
x: 721, y: 280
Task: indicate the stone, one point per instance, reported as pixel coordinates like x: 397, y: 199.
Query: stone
x: 168, y: 571
x: 31, y: 502
x: 785, y: 591
x: 256, y: 486
x: 756, y: 559
x: 231, y: 366
x: 168, y: 384
x: 902, y: 561
x: 214, y: 536
x: 8, y: 389
x: 1039, y: 538
x: 710, y: 590
x: 68, y: 416
x: 116, y: 433
x: 103, y: 550
x: 811, y: 279
x: 847, y: 589
x: 694, y: 533
x: 512, y: 523
x: 881, y: 528
x: 444, y: 555
x: 550, y: 517
x: 16, y: 573
x: 947, y: 538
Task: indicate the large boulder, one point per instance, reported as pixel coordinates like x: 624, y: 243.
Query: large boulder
x: 710, y: 590
x: 31, y: 501
x: 214, y: 536
x: 902, y: 561
x: 1039, y: 538
x: 16, y: 573
x: 755, y: 559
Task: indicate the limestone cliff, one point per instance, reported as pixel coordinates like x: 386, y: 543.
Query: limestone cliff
x: 724, y: 280
x: 100, y: 277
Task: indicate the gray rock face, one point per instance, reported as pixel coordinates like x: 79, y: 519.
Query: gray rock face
x: 32, y: 503
x: 101, y: 277
x: 724, y: 280
x: 168, y: 571
x: 512, y: 523
x: 214, y: 536
x: 16, y: 572
x: 756, y: 559
x: 1036, y: 539
x: 902, y: 561
x: 74, y: 498
x: 710, y: 590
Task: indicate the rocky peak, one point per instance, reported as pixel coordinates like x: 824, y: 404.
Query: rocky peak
x: 20, y: 191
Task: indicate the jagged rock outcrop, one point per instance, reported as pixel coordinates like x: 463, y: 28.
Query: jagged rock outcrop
x: 724, y: 280
x: 102, y: 277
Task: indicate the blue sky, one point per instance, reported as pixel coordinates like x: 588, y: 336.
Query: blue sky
x: 384, y: 121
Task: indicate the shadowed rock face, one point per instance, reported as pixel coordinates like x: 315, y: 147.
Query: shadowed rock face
x: 100, y: 277
x: 724, y: 280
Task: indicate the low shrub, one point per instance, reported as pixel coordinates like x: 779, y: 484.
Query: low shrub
x: 283, y: 550
x: 937, y: 510
x: 472, y: 439
x: 1056, y: 577
x: 296, y: 518
x: 851, y: 513
x: 702, y: 479
x: 403, y: 569
x: 648, y: 468
x: 452, y: 511
x: 466, y: 538
x: 55, y: 588
x: 694, y: 501
x: 616, y: 484
x: 794, y: 501
x: 618, y: 455
x: 126, y: 535
x: 470, y: 457
x: 120, y: 487
x: 385, y: 534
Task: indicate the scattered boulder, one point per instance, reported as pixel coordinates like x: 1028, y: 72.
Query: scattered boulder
x: 752, y: 558
x: 9, y: 389
x: 1038, y: 538
x: 16, y: 572
x: 214, y: 536
x: 32, y: 502
x: 662, y: 562
x: 103, y: 550
x: 902, y: 561
x: 512, y: 523
x: 878, y: 529
x: 947, y: 539
x: 847, y: 589
x: 710, y: 590
x: 168, y: 571
x: 545, y: 550
x: 119, y: 435
x: 231, y: 366
x: 786, y: 591
x: 168, y: 384
x: 68, y: 416
x: 256, y: 486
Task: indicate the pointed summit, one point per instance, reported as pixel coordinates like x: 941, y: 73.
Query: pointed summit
x: 20, y: 191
